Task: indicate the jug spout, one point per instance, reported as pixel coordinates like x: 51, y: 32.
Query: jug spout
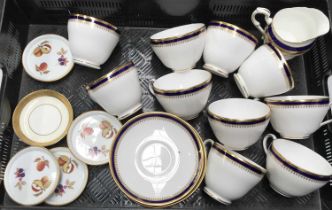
x: 300, y: 25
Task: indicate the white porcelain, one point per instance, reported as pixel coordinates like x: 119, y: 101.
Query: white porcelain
x: 297, y: 117
x: 180, y: 48
x: 293, y: 169
x: 91, y: 40
x: 226, y: 47
x: 230, y: 175
x: 91, y: 135
x: 118, y: 92
x: 238, y: 123
x: 42, y: 118
x: 157, y: 159
x: 292, y: 30
x: 264, y: 73
x: 31, y: 176
x: 184, y: 94
x: 74, y: 177
x: 47, y: 58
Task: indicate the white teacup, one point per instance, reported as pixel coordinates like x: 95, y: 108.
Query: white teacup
x: 184, y: 94
x: 238, y: 123
x: 118, y: 92
x: 226, y: 47
x: 297, y: 117
x: 91, y: 40
x: 180, y: 48
x: 229, y: 175
x: 264, y: 73
x: 293, y: 169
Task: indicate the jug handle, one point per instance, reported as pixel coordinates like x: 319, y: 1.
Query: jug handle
x: 266, y: 138
x: 267, y: 18
x: 151, y: 87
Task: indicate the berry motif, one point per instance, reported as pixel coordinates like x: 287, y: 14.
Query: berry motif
x: 61, y: 188
x: 19, y: 175
x: 95, y: 151
x: 62, y: 59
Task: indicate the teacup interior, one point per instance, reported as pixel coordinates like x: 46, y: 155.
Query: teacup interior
x: 303, y: 157
x: 182, y: 80
x: 239, y: 109
x: 296, y: 98
x: 300, y: 24
x: 177, y: 31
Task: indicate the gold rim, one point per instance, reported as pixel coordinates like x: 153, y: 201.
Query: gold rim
x: 53, y: 80
x: 265, y: 117
x: 293, y: 165
x: 95, y: 19
x: 184, y: 89
x: 200, y: 173
x: 113, y: 71
x: 273, y: 99
x: 242, y: 159
x: 283, y: 50
x: 236, y: 28
x: 283, y: 60
x: 156, y: 41
x: 58, y: 172
x: 25, y: 100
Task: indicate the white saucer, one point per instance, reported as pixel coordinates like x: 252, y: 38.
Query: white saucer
x: 42, y: 118
x: 31, y: 176
x: 91, y: 135
x: 47, y: 58
x: 157, y: 159
x: 74, y: 177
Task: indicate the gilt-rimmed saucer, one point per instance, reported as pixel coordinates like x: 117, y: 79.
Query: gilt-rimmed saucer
x: 42, y: 118
x: 91, y: 135
x: 157, y: 159
x: 31, y: 176
x: 74, y: 177
x: 47, y: 58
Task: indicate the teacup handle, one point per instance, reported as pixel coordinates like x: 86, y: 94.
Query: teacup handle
x: 326, y: 122
x: 151, y: 87
x: 266, y: 138
x: 267, y: 18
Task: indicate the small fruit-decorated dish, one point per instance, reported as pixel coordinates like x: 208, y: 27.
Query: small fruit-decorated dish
x: 157, y: 159
x: 47, y: 58
x: 91, y: 135
x: 42, y: 118
x: 74, y: 177
x: 31, y: 176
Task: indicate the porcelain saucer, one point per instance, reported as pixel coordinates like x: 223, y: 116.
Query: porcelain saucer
x: 74, y: 177
x: 157, y: 159
x: 47, y: 58
x: 31, y: 176
x: 91, y: 135
x: 42, y: 118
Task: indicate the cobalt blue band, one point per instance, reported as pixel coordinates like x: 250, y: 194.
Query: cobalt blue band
x: 177, y: 93
x: 88, y: 19
x: 286, y: 47
x: 242, y: 163
x: 189, y: 36
x: 233, y: 29
x: 123, y: 130
x: 234, y: 122
x: 321, y: 102
x: 295, y: 169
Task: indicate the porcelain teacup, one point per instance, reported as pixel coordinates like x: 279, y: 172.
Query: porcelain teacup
x: 292, y: 30
x: 180, y: 48
x: 184, y: 94
x: 229, y: 175
x: 91, y: 40
x: 293, y: 169
x: 264, y: 73
x: 118, y: 92
x: 297, y: 117
x: 226, y: 47
x: 238, y: 123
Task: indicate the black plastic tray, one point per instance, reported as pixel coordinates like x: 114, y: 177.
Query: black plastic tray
x: 23, y: 20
